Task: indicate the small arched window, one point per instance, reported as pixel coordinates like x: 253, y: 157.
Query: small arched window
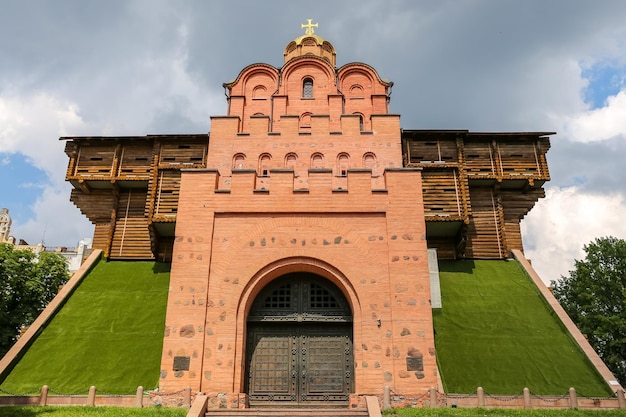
x: 317, y: 160
x: 264, y: 164
x: 307, y: 88
x: 259, y: 92
x: 343, y: 163
x: 369, y: 161
x: 360, y: 121
x: 239, y: 161
x: 356, y: 91
x: 290, y: 161
x: 305, y: 120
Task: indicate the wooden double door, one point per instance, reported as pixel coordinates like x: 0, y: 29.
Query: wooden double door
x: 299, y: 344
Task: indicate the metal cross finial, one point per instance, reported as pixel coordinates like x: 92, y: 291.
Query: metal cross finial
x: 309, y: 27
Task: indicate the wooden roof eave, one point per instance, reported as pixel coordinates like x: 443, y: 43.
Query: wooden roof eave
x: 454, y: 133
x: 195, y: 136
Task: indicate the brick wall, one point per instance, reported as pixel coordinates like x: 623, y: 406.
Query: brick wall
x: 371, y: 244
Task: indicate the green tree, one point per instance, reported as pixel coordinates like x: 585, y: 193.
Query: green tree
x: 594, y: 296
x: 27, y: 284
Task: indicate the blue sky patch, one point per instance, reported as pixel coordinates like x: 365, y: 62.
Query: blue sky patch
x: 22, y: 183
x: 605, y: 80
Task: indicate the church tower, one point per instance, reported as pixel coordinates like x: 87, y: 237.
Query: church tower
x: 300, y: 266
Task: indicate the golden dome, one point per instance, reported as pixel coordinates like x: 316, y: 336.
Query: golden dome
x: 310, y: 44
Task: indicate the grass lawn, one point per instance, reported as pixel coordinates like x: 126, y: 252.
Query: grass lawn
x: 496, y: 331
x: 73, y: 411
x: 108, y: 334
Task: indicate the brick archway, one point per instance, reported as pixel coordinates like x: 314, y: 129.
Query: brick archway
x: 279, y: 268
x: 299, y: 343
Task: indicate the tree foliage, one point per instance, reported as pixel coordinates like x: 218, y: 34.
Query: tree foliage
x: 27, y: 284
x: 594, y: 296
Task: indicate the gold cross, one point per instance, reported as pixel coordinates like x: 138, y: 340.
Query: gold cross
x: 309, y: 27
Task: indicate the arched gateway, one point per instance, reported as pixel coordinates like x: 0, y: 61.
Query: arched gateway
x: 307, y: 285
x: 299, y: 343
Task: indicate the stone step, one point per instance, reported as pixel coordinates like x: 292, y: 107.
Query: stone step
x: 288, y: 412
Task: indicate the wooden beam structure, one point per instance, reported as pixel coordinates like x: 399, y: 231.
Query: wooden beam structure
x: 477, y: 187
x: 128, y: 188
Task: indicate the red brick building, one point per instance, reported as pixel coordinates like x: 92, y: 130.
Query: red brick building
x: 298, y: 232
x: 306, y: 238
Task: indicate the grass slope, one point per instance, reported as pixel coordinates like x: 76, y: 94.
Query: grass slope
x: 108, y: 334
x: 80, y: 411
x: 496, y: 331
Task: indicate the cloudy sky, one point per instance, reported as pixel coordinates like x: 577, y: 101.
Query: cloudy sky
x: 135, y: 67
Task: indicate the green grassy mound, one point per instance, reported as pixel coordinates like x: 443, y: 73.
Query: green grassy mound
x: 108, y: 334
x: 496, y: 331
x: 80, y: 411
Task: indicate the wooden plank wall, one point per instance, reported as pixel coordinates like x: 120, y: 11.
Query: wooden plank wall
x: 95, y: 161
x: 499, y: 179
x: 486, y: 181
x: 135, y: 161
x: 109, y: 173
x: 515, y: 206
x: 432, y: 150
x: 442, y: 194
x: 484, y: 232
x: 131, y: 237
x: 518, y: 159
x: 182, y: 154
x: 165, y: 249
x: 478, y: 159
x: 446, y: 248
x: 101, y: 236
x: 96, y: 206
x: 167, y: 192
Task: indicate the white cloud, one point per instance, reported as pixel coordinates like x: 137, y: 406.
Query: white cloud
x: 144, y: 93
x: 32, y: 125
x: 57, y: 221
x: 558, y: 227
x: 599, y: 124
x: 156, y: 67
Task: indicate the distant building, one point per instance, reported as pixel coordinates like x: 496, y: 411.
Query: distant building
x: 73, y: 256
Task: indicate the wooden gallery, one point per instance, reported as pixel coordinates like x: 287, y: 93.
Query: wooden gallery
x: 300, y: 229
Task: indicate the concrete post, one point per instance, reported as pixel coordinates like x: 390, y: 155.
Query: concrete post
x: 387, y: 398
x: 91, y: 399
x: 480, y: 393
x: 187, y: 397
x: 621, y: 401
x: 433, y: 397
x: 43, y: 399
x: 139, y: 397
x: 573, y: 401
x: 527, y: 403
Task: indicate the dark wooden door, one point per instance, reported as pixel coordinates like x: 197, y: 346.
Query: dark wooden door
x: 299, y: 344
